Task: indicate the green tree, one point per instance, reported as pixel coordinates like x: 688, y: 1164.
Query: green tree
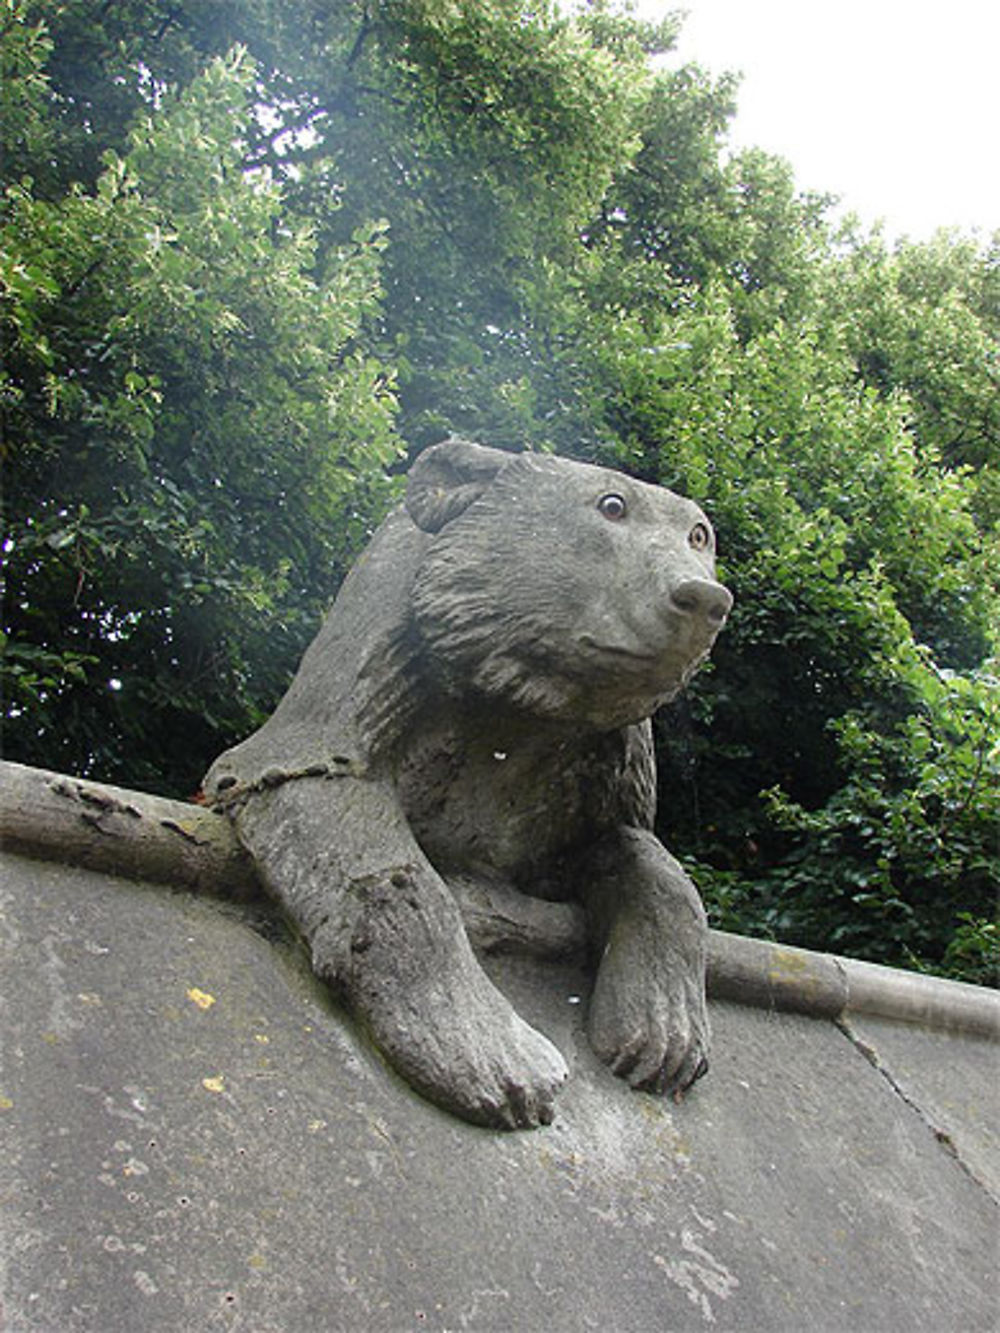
x: 196, y: 443
x: 484, y: 131
x: 207, y: 334
x: 926, y: 320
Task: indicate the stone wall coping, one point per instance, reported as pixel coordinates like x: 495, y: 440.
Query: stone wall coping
x: 137, y: 835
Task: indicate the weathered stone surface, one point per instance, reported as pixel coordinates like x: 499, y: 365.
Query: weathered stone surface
x: 476, y: 707
x: 194, y: 1138
x: 139, y: 836
x: 952, y: 1079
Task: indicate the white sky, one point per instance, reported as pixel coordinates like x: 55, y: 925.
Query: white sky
x: 892, y: 104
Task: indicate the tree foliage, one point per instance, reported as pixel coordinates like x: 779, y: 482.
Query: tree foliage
x: 251, y: 248
x: 175, y: 369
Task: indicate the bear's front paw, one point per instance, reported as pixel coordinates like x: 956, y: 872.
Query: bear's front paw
x: 654, y: 1032
x: 517, y: 1080
x: 465, y: 1048
x: 413, y: 979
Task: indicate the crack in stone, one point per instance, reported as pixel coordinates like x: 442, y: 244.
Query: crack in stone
x: 941, y: 1135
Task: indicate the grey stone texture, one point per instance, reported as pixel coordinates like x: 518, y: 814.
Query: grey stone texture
x: 475, y: 708
x: 195, y: 1138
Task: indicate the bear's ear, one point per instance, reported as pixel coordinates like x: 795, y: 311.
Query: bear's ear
x: 447, y: 478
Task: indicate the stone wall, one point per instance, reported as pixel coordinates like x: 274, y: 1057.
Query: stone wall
x: 194, y: 1137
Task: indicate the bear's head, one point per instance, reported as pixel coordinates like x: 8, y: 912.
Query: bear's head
x: 564, y: 590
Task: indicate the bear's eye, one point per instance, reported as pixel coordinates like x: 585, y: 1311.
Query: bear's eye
x: 613, y: 507
x: 700, y: 537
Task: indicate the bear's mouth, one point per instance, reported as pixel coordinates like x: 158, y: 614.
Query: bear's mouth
x: 641, y: 668
x: 616, y: 650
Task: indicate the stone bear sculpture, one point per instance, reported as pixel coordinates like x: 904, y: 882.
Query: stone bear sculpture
x: 476, y: 704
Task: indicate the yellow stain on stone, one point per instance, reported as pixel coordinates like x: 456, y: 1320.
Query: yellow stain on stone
x: 259, y: 1036
x: 784, y: 963
x: 217, y: 1084
x: 791, y: 969
x: 201, y: 998
x: 5, y: 1103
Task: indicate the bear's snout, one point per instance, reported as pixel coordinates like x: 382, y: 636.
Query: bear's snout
x: 704, y: 600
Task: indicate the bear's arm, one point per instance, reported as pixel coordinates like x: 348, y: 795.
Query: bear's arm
x: 385, y: 931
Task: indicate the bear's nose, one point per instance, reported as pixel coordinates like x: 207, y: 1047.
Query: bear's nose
x: 703, y: 598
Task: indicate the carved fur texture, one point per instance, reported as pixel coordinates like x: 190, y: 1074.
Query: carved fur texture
x: 476, y: 704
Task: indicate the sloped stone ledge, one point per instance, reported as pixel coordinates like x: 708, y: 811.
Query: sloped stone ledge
x: 53, y: 817
x: 128, y: 833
